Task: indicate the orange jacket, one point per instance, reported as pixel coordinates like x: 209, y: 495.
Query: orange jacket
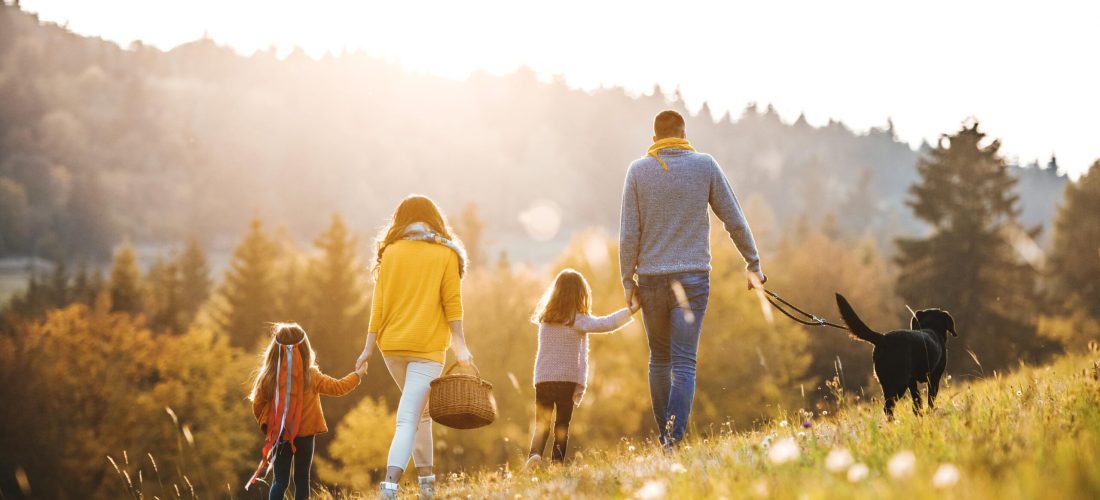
x: 313, y: 418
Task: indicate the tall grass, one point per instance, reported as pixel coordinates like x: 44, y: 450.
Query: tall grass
x: 1032, y: 434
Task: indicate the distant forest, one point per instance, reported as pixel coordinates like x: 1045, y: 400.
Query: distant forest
x: 99, y: 143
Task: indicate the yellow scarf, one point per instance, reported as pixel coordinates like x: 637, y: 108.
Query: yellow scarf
x: 668, y: 143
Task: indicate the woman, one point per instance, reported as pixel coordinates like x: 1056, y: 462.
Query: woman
x: 416, y: 315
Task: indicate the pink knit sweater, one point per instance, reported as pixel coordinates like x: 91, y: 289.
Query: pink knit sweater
x: 563, y: 349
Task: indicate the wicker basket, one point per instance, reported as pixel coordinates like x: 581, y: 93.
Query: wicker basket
x: 462, y: 401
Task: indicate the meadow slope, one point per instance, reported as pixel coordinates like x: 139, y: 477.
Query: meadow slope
x: 1034, y: 433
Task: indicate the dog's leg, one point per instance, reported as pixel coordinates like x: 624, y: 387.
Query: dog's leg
x: 933, y: 388
x: 892, y: 395
x: 914, y: 391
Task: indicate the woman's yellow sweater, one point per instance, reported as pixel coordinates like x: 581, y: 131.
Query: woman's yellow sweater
x: 417, y: 294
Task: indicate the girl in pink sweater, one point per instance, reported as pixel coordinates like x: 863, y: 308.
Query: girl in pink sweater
x: 564, y: 316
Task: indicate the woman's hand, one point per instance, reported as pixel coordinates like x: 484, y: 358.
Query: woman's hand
x: 361, y: 369
x: 464, y: 358
x: 368, y: 347
x: 458, y: 344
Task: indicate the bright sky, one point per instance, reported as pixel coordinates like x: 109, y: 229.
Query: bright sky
x: 1029, y: 71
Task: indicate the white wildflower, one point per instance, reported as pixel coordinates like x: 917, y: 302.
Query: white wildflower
x: 946, y: 476
x: 838, y: 460
x: 902, y: 464
x: 652, y: 489
x: 784, y: 423
x: 857, y: 473
x: 677, y: 468
x: 785, y: 450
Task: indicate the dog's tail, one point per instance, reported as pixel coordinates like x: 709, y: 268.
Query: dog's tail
x: 855, y: 325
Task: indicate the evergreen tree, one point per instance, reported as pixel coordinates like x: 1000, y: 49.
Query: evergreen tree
x: 60, y: 292
x: 125, y: 281
x: 292, y: 301
x: 335, y: 295
x: 195, y: 283
x: 336, y: 292
x: 967, y: 265
x: 164, y: 295
x: 1075, y: 258
x: 248, y: 293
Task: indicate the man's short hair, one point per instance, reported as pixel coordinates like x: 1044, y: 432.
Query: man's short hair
x: 668, y: 123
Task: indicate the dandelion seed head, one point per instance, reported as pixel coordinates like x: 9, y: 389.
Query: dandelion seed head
x: 838, y: 460
x: 784, y: 423
x: 652, y: 489
x: 677, y: 468
x: 785, y: 450
x: 902, y: 464
x: 946, y: 476
x: 858, y: 472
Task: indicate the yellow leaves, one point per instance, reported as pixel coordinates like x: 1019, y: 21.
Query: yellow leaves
x: 360, y: 446
x: 102, y: 383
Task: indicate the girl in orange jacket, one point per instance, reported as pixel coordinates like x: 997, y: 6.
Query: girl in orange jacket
x: 287, y: 404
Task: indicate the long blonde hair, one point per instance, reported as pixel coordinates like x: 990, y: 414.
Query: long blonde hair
x: 569, y: 295
x: 263, y: 383
x: 414, y: 208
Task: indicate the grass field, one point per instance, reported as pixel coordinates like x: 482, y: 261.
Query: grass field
x: 1032, y: 434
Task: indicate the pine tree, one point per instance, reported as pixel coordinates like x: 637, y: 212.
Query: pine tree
x: 335, y: 295
x: 248, y: 292
x: 967, y: 265
x: 124, y: 284
x: 1075, y: 258
x: 60, y: 291
x: 195, y: 283
x: 293, y: 305
x: 164, y: 295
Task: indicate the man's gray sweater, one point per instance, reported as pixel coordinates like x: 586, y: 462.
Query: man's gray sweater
x: 664, y: 226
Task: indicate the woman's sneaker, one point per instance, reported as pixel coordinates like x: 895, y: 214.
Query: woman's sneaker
x: 427, y: 488
x: 388, y: 491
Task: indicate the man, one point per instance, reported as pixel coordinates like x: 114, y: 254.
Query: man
x: 664, y: 240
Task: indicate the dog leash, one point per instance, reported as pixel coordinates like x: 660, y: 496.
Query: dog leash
x: 813, y: 319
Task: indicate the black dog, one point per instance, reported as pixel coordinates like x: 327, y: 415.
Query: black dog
x: 905, y: 357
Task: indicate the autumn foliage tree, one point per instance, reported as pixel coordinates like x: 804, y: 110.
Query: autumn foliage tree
x: 93, y: 383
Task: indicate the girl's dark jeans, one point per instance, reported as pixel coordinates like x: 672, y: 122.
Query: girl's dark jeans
x: 551, y: 396
x: 303, y: 460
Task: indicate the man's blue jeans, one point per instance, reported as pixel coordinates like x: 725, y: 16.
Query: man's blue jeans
x: 672, y: 324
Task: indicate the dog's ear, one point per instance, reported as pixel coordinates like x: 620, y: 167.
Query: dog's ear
x: 951, y: 324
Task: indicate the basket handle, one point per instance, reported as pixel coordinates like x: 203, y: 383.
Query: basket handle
x: 456, y: 365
